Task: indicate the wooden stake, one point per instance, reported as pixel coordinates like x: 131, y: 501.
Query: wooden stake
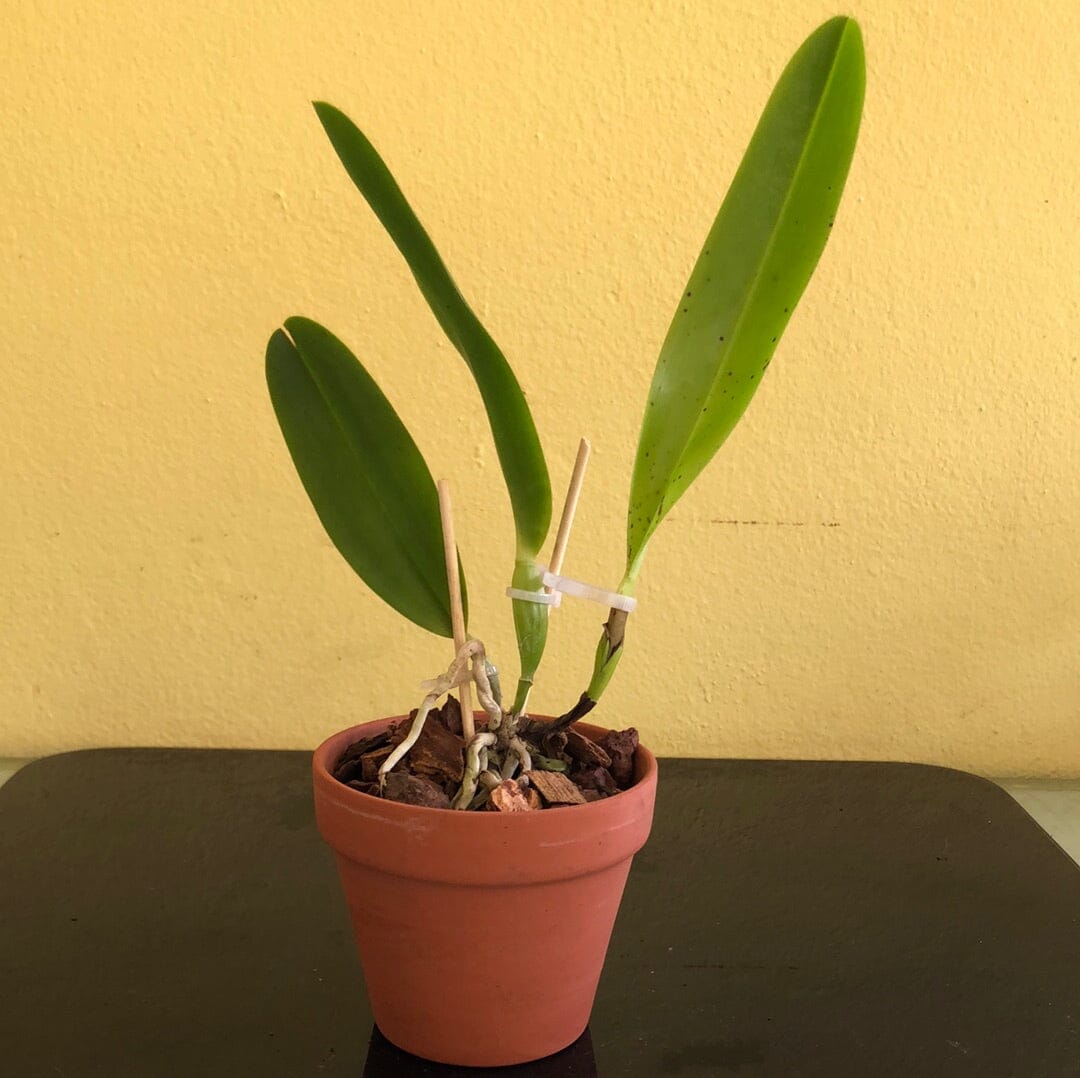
x: 457, y: 615
x: 573, y: 492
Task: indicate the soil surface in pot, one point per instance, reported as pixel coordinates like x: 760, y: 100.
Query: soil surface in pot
x: 568, y: 768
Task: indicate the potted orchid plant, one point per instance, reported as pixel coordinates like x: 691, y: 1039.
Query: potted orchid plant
x: 442, y: 820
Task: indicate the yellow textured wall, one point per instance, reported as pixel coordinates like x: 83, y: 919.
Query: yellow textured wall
x: 883, y: 562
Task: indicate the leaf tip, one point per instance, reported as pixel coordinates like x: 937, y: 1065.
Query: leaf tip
x: 277, y: 347
x: 847, y: 31
x: 298, y: 323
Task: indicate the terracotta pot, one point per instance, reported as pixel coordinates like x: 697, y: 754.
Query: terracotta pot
x: 481, y: 934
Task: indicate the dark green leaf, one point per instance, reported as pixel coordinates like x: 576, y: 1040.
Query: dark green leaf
x: 362, y: 470
x: 516, y: 440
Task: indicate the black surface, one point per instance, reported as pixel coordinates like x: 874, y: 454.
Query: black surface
x: 173, y: 912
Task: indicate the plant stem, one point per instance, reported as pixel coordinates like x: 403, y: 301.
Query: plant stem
x: 610, y: 648
x: 530, y: 627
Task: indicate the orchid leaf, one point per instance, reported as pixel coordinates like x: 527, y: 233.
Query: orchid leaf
x: 512, y: 426
x: 362, y: 471
x: 758, y: 257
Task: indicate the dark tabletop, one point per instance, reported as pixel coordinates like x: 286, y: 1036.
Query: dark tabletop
x: 174, y: 913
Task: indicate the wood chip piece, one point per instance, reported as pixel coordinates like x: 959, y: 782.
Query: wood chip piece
x: 595, y: 778
x: 450, y: 715
x: 437, y: 754
x: 554, y: 744
x: 348, y: 766
x: 508, y: 796
x: 399, y: 730
x: 621, y: 745
x: 372, y: 761
x: 584, y: 750
x: 555, y: 789
x: 413, y: 790
x: 371, y: 788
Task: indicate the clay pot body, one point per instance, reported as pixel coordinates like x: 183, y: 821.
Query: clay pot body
x: 481, y: 934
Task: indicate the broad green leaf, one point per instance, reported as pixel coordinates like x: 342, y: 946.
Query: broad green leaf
x: 362, y: 471
x: 757, y: 259
x: 516, y: 440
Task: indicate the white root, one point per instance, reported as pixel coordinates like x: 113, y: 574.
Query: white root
x: 481, y: 763
x: 484, y: 690
x: 517, y: 755
x: 490, y: 779
x: 517, y: 746
x: 480, y: 741
x: 411, y: 738
x: 509, y: 766
x: 436, y: 687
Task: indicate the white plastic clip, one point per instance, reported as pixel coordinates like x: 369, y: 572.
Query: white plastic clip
x: 544, y: 598
x: 580, y: 590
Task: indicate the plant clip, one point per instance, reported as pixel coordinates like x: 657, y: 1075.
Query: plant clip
x: 544, y: 598
x: 567, y: 585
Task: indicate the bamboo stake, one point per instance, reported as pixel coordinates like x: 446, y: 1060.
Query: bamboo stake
x: 573, y: 493
x: 457, y: 615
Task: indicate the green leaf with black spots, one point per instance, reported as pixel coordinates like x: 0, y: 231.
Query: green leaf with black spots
x: 758, y: 257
